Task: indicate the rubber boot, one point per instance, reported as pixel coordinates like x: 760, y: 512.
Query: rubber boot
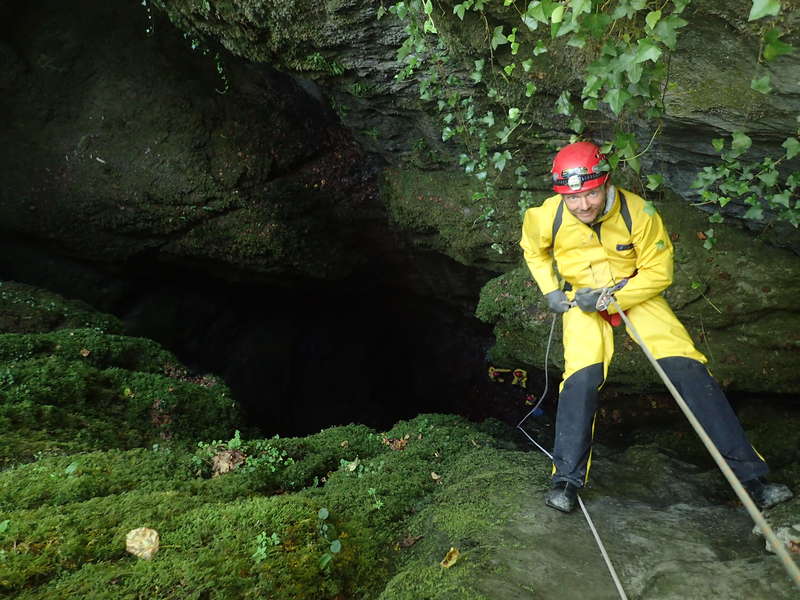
x: 765, y: 494
x: 562, y: 496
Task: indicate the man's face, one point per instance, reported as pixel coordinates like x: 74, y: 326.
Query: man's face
x: 586, y: 206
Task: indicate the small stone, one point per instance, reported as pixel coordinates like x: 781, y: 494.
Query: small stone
x: 142, y: 542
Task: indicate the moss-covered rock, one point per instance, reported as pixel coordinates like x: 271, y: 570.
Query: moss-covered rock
x: 26, y: 309
x: 69, y: 390
x: 236, y: 534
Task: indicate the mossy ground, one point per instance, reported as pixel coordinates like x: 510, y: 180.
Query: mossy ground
x: 66, y: 516
x: 104, y: 433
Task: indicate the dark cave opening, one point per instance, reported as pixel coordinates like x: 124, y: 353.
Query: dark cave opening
x: 297, y: 358
x: 299, y: 361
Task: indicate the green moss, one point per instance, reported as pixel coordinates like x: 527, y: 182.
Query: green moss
x: 293, y: 27
x: 73, y: 390
x: 89, y: 346
x: 26, y: 309
x: 438, y: 206
x: 468, y: 512
x: 68, y: 517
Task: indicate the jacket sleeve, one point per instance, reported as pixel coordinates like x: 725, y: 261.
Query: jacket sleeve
x: 536, y: 242
x: 654, y: 261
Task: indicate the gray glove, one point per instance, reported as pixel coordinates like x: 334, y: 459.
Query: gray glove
x: 557, y: 301
x: 586, y: 299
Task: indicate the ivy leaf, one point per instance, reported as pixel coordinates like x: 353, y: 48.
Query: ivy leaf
x: 596, y: 24
x: 716, y: 218
x: 592, y: 86
x: 769, y: 178
x: 665, y: 30
x: 764, y: 8
x: 527, y: 65
x: 459, y: 10
x: 754, y: 213
x: 576, y: 124
x: 781, y: 199
x: 680, y: 5
x: 616, y: 99
x: 649, y: 208
x: 579, y: 7
x: 513, y: 113
x: 558, y: 14
x: 635, y: 72
x: 577, y: 41
x: 740, y: 144
x: 647, y: 50
x: 792, y: 147
x: 530, y: 89
x: 563, y: 105
x: 590, y: 104
x: 536, y: 11
x: 774, y: 46
x: 652, y: 18
x: 654, y: 181
x: 498, y: 39
x: 539, y: 48
x: 488, y: 119
x: 530, y: 22
x: 718, y: 143
x: 477, y: 74
x: 761, y: 84
x: 509, y: 68
x: 499, y: 160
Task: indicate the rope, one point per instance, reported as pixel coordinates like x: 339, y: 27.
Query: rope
x: 790, y: 566
x: 589, y: 521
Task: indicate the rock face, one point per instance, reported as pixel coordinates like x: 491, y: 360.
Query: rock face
x: 140, y: 157
x: 313, y: 163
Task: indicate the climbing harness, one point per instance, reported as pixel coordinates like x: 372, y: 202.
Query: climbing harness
x: 605, y: 300
x: 588, y: 518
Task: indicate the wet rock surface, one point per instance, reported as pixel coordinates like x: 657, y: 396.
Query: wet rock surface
x: 671, y: 530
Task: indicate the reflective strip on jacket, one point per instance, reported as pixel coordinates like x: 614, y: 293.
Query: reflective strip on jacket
x: 601, y: 254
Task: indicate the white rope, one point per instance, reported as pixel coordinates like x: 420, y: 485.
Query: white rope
x: 596, y: 535
x: 777, y: 545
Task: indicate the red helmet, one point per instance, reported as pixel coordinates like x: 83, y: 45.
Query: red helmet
x: 574, y: 168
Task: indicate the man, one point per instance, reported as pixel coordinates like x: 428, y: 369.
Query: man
x: 595, y: 236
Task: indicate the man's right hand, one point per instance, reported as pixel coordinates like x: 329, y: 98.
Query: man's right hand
x: 557, y: 301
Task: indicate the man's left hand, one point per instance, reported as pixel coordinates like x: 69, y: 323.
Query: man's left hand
x: 586, y: 299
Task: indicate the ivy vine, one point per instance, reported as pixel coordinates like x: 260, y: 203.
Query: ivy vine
x: 625, y: 46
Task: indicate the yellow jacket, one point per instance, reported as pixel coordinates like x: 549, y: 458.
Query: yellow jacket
x: 623, y: 241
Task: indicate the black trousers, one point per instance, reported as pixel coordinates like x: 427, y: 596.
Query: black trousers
x: 578, y: 401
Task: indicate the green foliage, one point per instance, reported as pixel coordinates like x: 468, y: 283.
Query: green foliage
x: 264, y: 544
x: 318, y: 62
x: 254, y: 456
x: 625, y: 46
x: 759, y: 186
